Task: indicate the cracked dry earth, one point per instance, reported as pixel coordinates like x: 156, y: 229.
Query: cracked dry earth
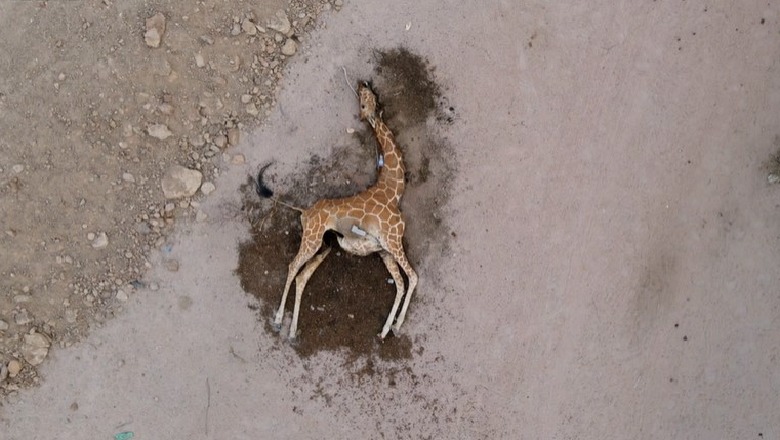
x: 101, y: 101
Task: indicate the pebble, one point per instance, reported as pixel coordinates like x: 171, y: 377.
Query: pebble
x: 159, y: 131
x: 180, y: 182
x: 18, y: 168
x: 22, y: 298
x: 3, y: 372
x: 155, y: 28
x: 251, y: 108
x: 207, y: 188
x: 154, y: 287
x: 248, y: 27
x: 22, y: 317
x: 121, y: 295
x: 350, y: 130
x: 35, y: 348
x: 289, y: 47
x: 199, y: 60
x: 171, y: 265
x: 90, y: 236
x: 238, y: 159
x: 14, y: 367
x: 246, y: 98
x: 338, y: 3
x: 100, y: 241
x: 127, y: 177
x: 200, y: 216
x: 233, y: 135
x: 220, y: 140
x: 280, y: 23
x: 3, y: 325
x: 773, y: 178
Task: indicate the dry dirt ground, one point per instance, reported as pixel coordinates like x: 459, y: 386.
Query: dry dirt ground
x: 80, y: 90
x: 592, y: 208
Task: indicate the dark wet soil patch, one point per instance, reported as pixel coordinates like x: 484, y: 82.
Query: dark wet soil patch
x: 348, y: 298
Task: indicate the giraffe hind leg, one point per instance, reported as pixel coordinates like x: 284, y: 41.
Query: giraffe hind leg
x: 392, y: 267
x: 300, y: 283
x: 310, y: 244
x: 400, y: 258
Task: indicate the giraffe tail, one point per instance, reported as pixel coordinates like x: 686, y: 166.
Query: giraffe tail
x: 266, y: 193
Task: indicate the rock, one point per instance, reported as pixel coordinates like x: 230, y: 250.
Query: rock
x: 280, y: 23
x: 100, y: 241
x: 199, y: 60
x: 338, y: 3
x: 155, y: 28
x: 159, y: 131
x: 18, y: 168
x: 35, y: 348
x: 200, y: 216
x: 22, y: 299
x: 171, y: 265
x: 90, y: 236
x: 121, y: 295
x: 14, y: 367
x: 181, y: 182
x: 3, y: 372
x: 3, y: 325
x: 773, y: 178
x: 238, y: 159
x: 127, y: 177
x: 233, y: 135
x: 289, y: 47
x: 207, y: 188
x: 248, y: 27
x: 22, y: 317
x: 251, y: 108
x: 246, y: 98
x: 220, y: 140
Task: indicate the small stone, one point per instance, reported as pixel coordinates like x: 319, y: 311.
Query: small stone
x: 22, y: 317
x: 154, y: 287
x: 3, y: 372
x: 773, y: 178
x: 159, y: 131
x: 234, y: 135
x: 18, y: 168
x: 199, y: 60
x: 280, y: 23
x: 100, y: 241
x: 171, y: 265
x: 35, y: 348
x: 14, y: 367
x: 238, y: 159
x: 207, y: 188
x: 338, y: 3
x: 127, y: 177
x: 248, y: 27
x: 121, y: 296
x: 246, y: 98
x: 180, y: 182
x: 91, y: 236
x: 3, y: 325
x: 289, y: 47
x: 200, y: 216
x: 220, y: 140
x: 251, y: 108
x: 350, y: 130
x: 18, y: 299
x: 155, y: 28
x: 165, y: 108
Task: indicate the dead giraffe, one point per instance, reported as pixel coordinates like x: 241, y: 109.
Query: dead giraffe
x: 368, y: 222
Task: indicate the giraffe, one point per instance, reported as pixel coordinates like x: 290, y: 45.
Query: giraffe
x: 365, y: 223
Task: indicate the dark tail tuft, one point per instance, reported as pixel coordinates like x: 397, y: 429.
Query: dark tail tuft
x: 262, y: 190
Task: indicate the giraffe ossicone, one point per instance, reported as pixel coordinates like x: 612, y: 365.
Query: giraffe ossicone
x: 366, y: 223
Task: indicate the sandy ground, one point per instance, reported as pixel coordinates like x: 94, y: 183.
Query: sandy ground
x: 613, y: 269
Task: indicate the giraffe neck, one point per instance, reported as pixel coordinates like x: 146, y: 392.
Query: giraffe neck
x: 391, y: 174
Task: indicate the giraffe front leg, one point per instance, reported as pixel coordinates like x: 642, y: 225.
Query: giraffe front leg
x: 392, y: 267
x: 300, y: 284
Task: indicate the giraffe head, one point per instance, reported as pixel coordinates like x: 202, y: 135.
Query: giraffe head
x: 369, y: 106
